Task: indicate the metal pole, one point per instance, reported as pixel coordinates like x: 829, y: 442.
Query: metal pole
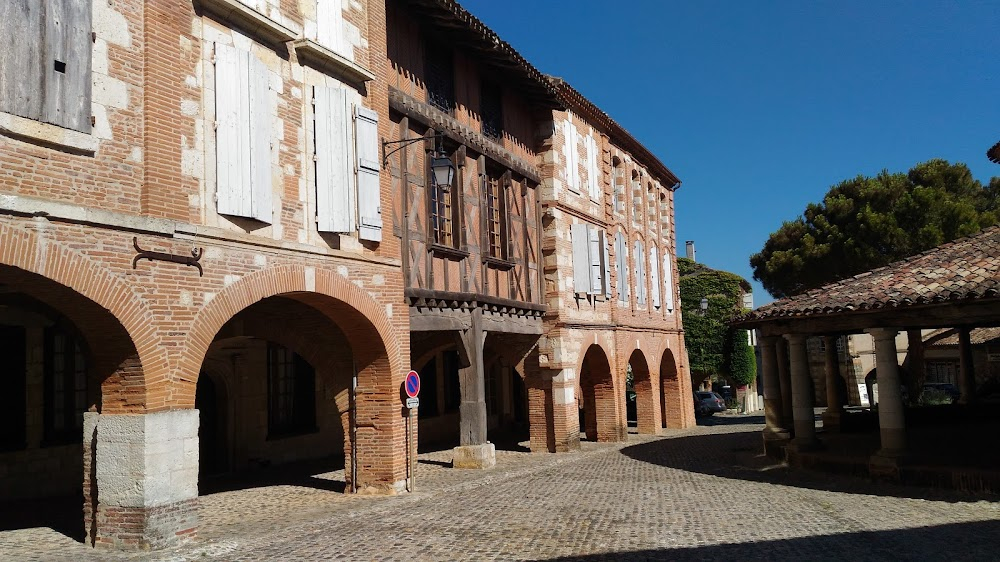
x: 354, y: 427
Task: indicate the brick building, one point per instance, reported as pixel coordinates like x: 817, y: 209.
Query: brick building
x: 212, y: 260
x: 190, y: 214
x: 609, y: 269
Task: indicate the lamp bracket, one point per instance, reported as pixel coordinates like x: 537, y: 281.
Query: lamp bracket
x: 403, y: 143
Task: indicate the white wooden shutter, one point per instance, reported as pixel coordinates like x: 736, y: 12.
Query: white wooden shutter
x: 335, y: 201
x: 330, y: 24
x: 232, y: 132
x: 606, y: 264
x: 593, y: 171
x: 621, y: 267
x: 369, y: 189
x: 260, y: 140
x: 668, y: 289
x: 594, y: 254
x: 640, y: 273
x: 654, y: 275
x: 581, y: 258
x: 572, y: 157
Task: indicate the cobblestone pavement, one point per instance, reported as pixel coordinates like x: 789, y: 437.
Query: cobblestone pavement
x: 696, y: 494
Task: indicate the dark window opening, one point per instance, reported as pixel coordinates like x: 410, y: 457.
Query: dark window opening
x: 13, y: 404
x: 65, y: 388
x: 494, y: 195
x: 445, y: 211
x: 60, y: 67
x: 291, y: 393
x: 439, y: 75
x: 491, y: 110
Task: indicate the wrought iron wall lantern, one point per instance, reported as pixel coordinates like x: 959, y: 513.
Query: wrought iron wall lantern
x: 442, y: 168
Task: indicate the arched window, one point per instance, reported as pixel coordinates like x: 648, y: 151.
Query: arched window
x: 636, y: 197
x: 640, y: 273
x: 654, y: 275
x: 291, y: 393
x: 618, y: 182
x: 621, y: 267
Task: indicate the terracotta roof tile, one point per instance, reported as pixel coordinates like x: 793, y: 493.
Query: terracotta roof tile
x: 967, y: 268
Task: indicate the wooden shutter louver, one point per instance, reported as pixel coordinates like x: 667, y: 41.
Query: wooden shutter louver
x: 335, y: 199
x: 572, y: 156
x: 606, y: 264
x: 640, y: 273
x: 581, y: 258
x: 593, y: 169
x: 369, y: 189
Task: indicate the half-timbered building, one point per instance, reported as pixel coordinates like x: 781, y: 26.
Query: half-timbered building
x: 471, y: 261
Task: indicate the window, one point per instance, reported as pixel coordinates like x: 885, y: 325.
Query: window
x: 494, y: 195
x: 491, y: 110
x: 571, y: 154
x: 65, y: 387
x: 668, y: 283
x: 243, y: 112
x: 445, y: 216
x: 593, y: 167
x: 621, y: 267
x: 291, y: 393
x: 439, y: 75
x: 45, y: 70
x: 654, y: 275
x: 636, y: 197
x: 591, y: 266
x: 618, y: 177
x: 348, y: 192
x: 12, y: 399
x: 640, y: 274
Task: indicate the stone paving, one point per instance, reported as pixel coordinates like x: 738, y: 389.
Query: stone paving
x: 696, y: 494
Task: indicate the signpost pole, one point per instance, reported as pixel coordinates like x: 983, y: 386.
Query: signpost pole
x: 411, y: 387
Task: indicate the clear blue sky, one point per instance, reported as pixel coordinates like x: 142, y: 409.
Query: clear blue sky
x: 760, y: 107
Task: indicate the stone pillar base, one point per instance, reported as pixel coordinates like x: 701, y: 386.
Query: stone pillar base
x: 885, y: 464
x: 775, y: 442
x: 146, y: 528
x: 805, y: 445
x: 831, y: 420
x: 475, y: 456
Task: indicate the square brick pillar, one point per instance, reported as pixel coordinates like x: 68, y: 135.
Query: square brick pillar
x: 141, y: 479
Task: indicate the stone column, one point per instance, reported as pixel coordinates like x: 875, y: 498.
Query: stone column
x: 474, y: 451
x: 966, y: 370
x: 775, y: 435
x: 802, y: 394
x: 834, y: 396
x: 890, y: 400
x: 784, y: 383
x: 146, y: 472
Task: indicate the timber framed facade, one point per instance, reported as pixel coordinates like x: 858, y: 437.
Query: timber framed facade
x: 471, y: 257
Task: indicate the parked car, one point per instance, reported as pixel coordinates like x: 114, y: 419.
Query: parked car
x: 943, y: 387
x: 707, y: 403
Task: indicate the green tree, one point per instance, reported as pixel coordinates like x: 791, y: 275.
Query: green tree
x: 709, y: 341
x: 867, y: 222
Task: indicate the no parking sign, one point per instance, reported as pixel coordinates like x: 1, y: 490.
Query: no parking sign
x: 412, y: 388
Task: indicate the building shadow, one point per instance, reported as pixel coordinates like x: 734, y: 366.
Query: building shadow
x: 731, y: 420
x: 63, y: 514
x: 319, y: 474
x: 740, y: 455
x: 957, y: 541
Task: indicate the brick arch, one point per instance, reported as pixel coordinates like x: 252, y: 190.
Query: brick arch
x: 293, y: 281
x: 31, y: 252
x: 597, y: 394
x: 673, y: 405
x: 646, y: 393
